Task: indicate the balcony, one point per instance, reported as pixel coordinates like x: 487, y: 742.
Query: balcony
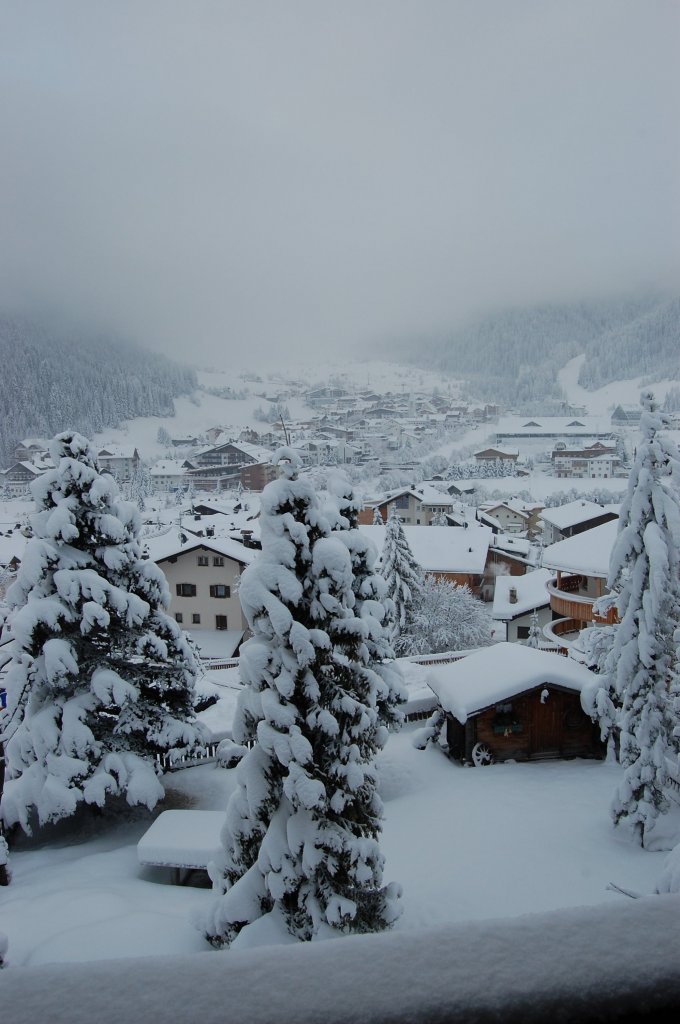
x: 572, y: 597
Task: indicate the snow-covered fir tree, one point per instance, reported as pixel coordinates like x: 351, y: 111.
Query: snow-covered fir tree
x: 101, y: 679
x: 377, y: 518
x: 371, y: 602
x: 301, y: 833
x: 644, y: 584
x: 399, y: 568
x: 535, y: 638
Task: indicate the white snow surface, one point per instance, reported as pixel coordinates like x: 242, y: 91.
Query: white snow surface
x: 567, y: 964
x: 587, y: 552
x: 531, y: 593
x: 441, y: 548
x: 574, y: 512
x: 186, y: 839
x: 497, y: 673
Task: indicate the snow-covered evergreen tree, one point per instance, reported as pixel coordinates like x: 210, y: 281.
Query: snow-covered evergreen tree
x: 535, y: 638
x: 301, y: 834
x: 399, y: 568
x: 644, y: 583
x: 377, y: 518
x: 101, y: 678
x: 371, y: 602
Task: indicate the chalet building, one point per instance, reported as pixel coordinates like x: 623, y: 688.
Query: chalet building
x: 255, y: 476
x: 203, y: 575
x: 575, y: 517
x: 580, y: 566
x: 416, y: 506
x: 32, y: 449
x: 456, y: 555
x: 169, y: 474
x: 517, y: 599
x: 319, y: 397
x: 594, y: 462
x: 213, y: 478
x: 626, y: 417
x: 506, y: 556
x: 491, y: 455
x: 510, y: 702
x: 503, y: 518
x: 462, y: 488
x: 185, y: 442
x: 230, y: 454
x: 119, y: 461
x: 16, y: 481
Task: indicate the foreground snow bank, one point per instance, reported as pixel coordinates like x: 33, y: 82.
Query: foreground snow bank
x: 575, y: 965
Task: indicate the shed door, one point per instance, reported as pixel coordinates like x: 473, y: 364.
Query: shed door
x: 546, y: 722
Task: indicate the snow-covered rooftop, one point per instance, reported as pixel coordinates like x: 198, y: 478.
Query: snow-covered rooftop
x: 167, y: 467
x: 574, y: 512
x: 169, y: 546
x: 442, y: 548
x: 530, y: 589
x: 498, y: 673
x: 427, y: 494
x: 549, y: 426
x: 216, y: 643
x: 586, y: 553
x: 513, y: 545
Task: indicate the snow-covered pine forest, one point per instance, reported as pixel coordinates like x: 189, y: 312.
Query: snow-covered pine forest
x: 509, y: 356
x: 51, y: 379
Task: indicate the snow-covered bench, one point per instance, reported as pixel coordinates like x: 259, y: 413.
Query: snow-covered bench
x: 182, y: 840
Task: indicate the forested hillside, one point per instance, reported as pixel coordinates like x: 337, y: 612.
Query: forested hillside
x: 513, y: 356
x: 650, y: 344
x: 51, y: 382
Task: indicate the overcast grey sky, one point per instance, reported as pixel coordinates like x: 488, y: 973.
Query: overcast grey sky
x: 215, y: 177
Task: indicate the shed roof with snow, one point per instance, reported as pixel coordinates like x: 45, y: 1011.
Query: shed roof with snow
x: 499, y: 673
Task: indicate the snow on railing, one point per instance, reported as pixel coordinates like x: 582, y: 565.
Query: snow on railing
x: 213, y: 664
x: 172, y: 762
x: 445, y: 658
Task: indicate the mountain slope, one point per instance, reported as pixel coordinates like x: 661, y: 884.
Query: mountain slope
x: 513, y: 355
x: 50, y: 382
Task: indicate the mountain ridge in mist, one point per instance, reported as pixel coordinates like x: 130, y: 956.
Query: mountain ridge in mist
x: 52, y: 380
x: 514, y: 355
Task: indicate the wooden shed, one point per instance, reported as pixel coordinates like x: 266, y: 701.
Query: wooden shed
x: 511, y: 702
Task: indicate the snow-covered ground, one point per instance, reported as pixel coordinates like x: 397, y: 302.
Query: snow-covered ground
x: 605, y: 399
x: 467, y: 844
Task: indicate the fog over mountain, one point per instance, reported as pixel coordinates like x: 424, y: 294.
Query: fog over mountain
x: 513, y: 355
x: 53, y: 381
x: 248, y: 180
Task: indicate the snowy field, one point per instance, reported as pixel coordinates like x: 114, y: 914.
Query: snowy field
x: 466, y: 844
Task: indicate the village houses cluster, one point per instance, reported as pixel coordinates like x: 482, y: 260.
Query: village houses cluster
x: 493, y: 548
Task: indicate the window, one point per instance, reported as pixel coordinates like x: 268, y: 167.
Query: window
x: 522, y: 632
x: 179, y: 617
x: 401, y: 501
x: 186, y: 590
x: 220, y: 622
x: 195, y: 618
x: 202, y: 560
x: 217, y: 560
x: 219, y: 590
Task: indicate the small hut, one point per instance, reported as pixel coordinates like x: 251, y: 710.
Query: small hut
x: 511, y: 702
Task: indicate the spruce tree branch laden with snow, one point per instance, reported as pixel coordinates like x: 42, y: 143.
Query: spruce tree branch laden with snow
x: 101, y: 679
x: 301, y: 851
